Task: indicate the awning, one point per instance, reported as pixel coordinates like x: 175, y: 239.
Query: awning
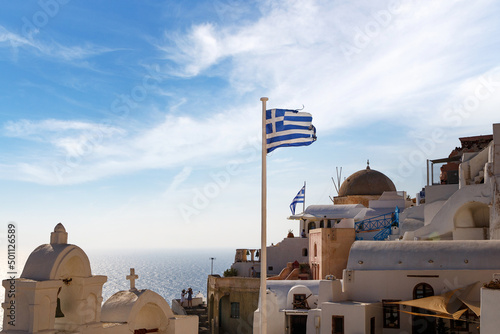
x: 446, y: 305
x: 319, y: 212
x: 444, y: 160
x: 454, y: 316
x: 304, y: 216
x: 474, y: 306
x: 340, y: 211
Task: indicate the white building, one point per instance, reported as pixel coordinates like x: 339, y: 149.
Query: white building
x: 468, y: 210
x: 430, y: 279
x: 379, y: 272
x: 57, y: 293
x: 278, y: 257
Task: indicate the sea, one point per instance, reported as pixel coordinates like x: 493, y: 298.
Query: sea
x: 165, y: 271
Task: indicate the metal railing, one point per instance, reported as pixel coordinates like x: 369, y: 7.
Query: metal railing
x: 383, y: 234
x: 382, y: 223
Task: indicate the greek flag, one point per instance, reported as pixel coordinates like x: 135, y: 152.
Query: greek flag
x: 288, y: 128
x: 298, y: 199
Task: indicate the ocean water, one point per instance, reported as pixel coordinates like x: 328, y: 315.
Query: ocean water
x: 165, y: 272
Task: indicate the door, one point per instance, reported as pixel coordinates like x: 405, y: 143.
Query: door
x: 337, y: 324
x: 298, y: 324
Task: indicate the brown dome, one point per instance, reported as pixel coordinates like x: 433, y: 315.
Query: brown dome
x: 366, y: 182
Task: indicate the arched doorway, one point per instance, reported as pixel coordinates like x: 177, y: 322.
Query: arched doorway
x: 151, y: 318
x: 423, y: 324
x: 472, y: 214
x: 224, y: 313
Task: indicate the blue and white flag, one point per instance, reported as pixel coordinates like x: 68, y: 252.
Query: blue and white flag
x: 288, y: 128
x: 301, y: 195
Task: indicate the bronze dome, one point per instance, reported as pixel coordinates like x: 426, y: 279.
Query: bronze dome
x: 366, y: 182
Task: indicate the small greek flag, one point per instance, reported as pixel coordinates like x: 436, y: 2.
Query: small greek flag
x: 288, y: 128
x: 301, y: 195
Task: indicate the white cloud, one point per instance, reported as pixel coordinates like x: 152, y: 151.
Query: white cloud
x: 178, y: 179
x: 411, y: 62
x: 89, y: 151
x: 406, y: 57
x: 51, y: 49
x: 10, y: 39
x: 75, y: 138
x: 475, y: 102
x: 24, y: 128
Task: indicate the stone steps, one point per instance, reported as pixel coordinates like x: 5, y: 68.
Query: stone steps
x: 202, y: 312
x: 479, y: 178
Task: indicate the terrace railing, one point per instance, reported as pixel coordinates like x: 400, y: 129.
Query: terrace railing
x: 382, y: 223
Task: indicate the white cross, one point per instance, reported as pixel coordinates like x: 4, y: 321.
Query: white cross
x: 132, y: 277
x: 273, y: 120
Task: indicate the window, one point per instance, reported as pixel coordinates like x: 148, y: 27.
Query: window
x: 299, y: 301
x: 337, y: 324
x: 423, y: 290
x: 422, y: 323
x: 391, y: 314
x: 270, y: 268
x: 459, y: 326
x: 235, y: 310
x: 304, y: 251
x: 462, y: 325
x: 315, y: 250
x: 372, y: 325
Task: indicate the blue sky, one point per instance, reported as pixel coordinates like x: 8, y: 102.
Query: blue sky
x: 137, y: 123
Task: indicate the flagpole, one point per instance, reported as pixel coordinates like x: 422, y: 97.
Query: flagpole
x: 304, y: 203
x: 263, y: 249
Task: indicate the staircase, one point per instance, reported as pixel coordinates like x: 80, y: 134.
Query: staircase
x: 479, y: 178
x: 202, y: 312
x: 381, y: 224
x: 383, y: 234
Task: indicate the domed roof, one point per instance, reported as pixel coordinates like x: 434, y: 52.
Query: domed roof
x: 57, y: 260
x: 136, y: 308
x: 52, y: 262
x: 366, y: 182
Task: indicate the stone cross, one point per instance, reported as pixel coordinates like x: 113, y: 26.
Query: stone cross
x: 132, y: 277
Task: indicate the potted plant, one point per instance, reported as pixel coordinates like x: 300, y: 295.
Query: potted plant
x: 290, y: 234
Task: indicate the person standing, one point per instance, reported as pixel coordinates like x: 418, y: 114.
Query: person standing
x: 190, y: 297
x: 183, y: 297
